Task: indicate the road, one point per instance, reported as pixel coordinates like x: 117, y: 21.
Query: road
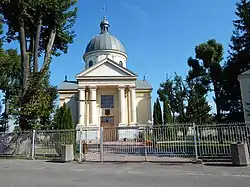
x: 27, y: 173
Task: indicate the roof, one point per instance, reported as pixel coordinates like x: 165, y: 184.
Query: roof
x: 246, y: 72
x: 68, y: 85
x: 142, y: 85
x: 104, y: 41
x: 72, y: 85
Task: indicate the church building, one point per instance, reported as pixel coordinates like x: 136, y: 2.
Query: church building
x: 244, y: 80
x: 106, y: 93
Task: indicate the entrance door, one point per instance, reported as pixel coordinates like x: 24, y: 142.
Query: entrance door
x: 109, y: 131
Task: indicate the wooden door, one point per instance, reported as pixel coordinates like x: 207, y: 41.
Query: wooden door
x: 109, y: 131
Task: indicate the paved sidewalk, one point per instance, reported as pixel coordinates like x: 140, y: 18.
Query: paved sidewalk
x: 24, y: 173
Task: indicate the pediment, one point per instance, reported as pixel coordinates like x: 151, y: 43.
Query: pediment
x: 106, y: 68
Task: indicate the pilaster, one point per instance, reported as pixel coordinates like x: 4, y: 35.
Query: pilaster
x: 81, y: 106
x: 93, y: 110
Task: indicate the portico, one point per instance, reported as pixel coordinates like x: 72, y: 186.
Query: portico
x: 121, y: 106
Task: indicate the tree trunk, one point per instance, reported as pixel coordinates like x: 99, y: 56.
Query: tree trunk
x: 6, y: 112
x: 24, y: 58
x: 31, y: 53
x: 37, y: 40
x: 218, y: 113
x: 24, y: 71
x: 46, y: 61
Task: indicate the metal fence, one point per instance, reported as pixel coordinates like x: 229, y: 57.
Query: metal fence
x: 16, y: 144
x: 171, y: 142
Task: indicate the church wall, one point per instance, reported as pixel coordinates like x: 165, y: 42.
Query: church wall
x: 99, y: 56
x: 113, y: 111
x: 143, y: 107
x: 245, y: 94
x: 71, y: 101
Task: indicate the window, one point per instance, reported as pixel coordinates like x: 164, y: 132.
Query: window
x: 107, y: 101
x: 90, y: 63
x: 107, y: 119
x: 121, y: 64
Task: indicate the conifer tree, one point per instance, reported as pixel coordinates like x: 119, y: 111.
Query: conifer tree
x: 237, y: 63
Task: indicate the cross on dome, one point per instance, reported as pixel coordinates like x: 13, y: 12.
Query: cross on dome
x: 104, y: 23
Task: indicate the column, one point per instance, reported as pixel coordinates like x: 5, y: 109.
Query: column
x: 133, y: 105
x: 122, y: 105
x: 93, y: 110
x: 81, y: 106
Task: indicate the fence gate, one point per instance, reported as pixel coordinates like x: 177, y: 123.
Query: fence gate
x: 132, y: 143
x: 90, y: 144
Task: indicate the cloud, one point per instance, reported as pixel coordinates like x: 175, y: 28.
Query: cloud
x: 135, y: 9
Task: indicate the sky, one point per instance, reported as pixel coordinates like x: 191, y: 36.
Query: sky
x: 159, y: 36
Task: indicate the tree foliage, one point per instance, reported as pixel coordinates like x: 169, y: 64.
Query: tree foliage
x: 174, y: 91
x: 43, y: 28
x: 10, y: 84
x: 206, y: 69
x: 157, y: 113
x: 167, y: 116
x: 63, y: 118
x: 198, y: 109
x: 237, y: 63
x: 185, y: 99
x: 63, y: 121
x: 41, y: 102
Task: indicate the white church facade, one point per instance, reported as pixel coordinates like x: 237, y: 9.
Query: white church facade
x: 244, y: 80
x: 106, y: 93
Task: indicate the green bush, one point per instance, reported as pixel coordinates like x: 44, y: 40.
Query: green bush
x: 63, y: 122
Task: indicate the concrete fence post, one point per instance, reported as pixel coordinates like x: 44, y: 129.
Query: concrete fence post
x: 80, y: 145
x: 145, y: 143
x: 33, y: 145
x: 101, y: 144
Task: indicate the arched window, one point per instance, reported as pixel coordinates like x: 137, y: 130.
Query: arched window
x: 90, y: 63
x: 121, y: 64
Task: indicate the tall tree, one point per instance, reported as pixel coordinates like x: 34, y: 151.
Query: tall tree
x: 185, y: 99
x: 167, y: 116
x: 41, y: 103
x: 41, y: 27
x: 63, y: 118
x: 157, y: 114
x: 174, y: 91
x: 10, y: 85
x: 206, y: 68
x: 198, y: 109
x: 237, y: 63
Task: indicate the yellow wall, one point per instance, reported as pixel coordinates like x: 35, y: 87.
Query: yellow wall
x: 143, y: 107
x: 113, y: 111
x: 71, y: 99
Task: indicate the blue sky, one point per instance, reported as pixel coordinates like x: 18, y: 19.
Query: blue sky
x: 158, y: 35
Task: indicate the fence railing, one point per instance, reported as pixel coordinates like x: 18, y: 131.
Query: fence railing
x: 172, y: 141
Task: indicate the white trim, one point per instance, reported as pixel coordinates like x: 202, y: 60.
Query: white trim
x: 106, y: 60
x: 86, y: 55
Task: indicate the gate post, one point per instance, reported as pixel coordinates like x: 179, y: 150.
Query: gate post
x: 195, y: 143
x: 80, y: 145
x: 145, y: 143
x: 33, y: 144
x: 101, y: 144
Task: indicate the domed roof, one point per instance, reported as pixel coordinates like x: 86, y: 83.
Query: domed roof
x: 104, y: 40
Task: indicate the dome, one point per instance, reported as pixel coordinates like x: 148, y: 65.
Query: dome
x: 104, y: 41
